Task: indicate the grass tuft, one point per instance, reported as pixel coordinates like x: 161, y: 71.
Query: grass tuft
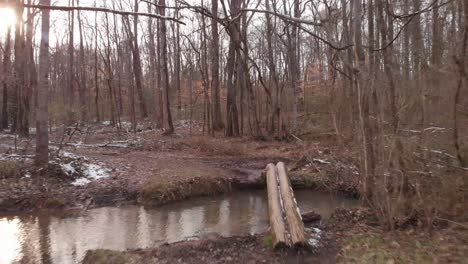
x: 9, y: 169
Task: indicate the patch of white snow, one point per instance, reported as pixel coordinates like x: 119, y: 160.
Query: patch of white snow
x: 68, y: 169
x: 81, y: 182
x: 95, y: 171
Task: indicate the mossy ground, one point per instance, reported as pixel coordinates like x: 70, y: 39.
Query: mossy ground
x: 102, y: 256
x: 182, y: 184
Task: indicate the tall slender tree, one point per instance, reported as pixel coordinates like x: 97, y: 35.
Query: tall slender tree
x: 42, y: 116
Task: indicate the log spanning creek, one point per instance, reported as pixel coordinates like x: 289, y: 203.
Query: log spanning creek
x: 65, y: 237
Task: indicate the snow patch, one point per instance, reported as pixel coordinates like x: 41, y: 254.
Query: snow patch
x: 95, y: 171
x: 15, y: 157
x: 68, y: 169
x: 70, y: 155
x: 80, y: 182
x: 75, y: 165
x: 315, y: 236
x: 7, y: 136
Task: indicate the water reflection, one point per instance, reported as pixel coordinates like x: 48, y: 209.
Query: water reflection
x: 42, y: 238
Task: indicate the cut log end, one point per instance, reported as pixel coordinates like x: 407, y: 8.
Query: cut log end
x: 310, y: 217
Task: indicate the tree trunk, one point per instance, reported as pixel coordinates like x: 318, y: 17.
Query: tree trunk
x: 177, y: 58
x: 457, y: 106
x: 275, y: 109
x: 437, y: 47
x: 96, y: 66
x: 82, y: 85
x: 215, y: 94
x: 42, y: 116
x: 6, y: 79
x: 363, y: 99
x: 232, y: 117
x: 70, y: 88
x: 137, y: 65
x: 159, y: 86
x: 169, y: 127
x: 30, y: 82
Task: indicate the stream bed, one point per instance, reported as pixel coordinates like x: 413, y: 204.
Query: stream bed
x: 64, y: 237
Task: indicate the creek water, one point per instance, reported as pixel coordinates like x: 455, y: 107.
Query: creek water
x: 65, y: 237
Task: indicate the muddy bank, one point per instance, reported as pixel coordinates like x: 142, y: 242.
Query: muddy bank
x: 26, y: 188
x: 239, y: 249
x: 70, y: 233
x: 246, y: 249
x: 250, y: 249
x: 350, y: 236
x: 52, y: 189
x: 152, y: 169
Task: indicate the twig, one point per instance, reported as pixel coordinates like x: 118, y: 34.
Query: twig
x: 60, y: 147
x: 298, y: 139
x: 452, y: 222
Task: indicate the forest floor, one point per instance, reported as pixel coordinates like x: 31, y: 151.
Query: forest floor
x: 101, y: 166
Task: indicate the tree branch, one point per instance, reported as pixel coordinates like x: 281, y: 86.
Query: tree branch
x: 101, y: 9
x: 284, y: 17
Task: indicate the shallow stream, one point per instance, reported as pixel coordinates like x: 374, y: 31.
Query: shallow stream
x: 66, y: 236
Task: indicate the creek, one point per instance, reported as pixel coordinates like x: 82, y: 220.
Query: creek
x: 64, y: 237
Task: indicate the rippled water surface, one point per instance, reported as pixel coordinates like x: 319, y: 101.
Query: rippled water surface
x: 65, y: 237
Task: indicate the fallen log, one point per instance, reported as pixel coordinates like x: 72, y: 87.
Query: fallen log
x: 310, y: 217
x: 293, y: 216
x: 277, y: 224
